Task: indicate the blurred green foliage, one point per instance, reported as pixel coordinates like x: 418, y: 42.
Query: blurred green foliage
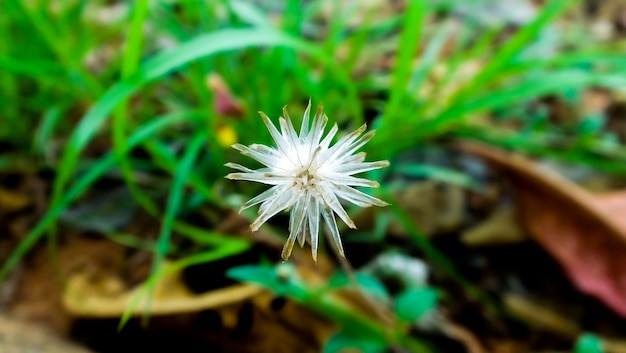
x: 132, y: 76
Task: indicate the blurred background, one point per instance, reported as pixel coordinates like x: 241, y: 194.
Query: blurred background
x: 504, y: 122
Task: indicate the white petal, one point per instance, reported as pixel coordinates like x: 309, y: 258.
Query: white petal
x: 271, y: 192
x: 330, y: 200
x: 350, y: 149
x: 281, y: 143
x: 304, y: 129
x: 288, y: 131
x: 300, y: 212
x: 334, y: 152
x: 303, y: 233
x: 238, y: 167
x: 337, y: 179
x: 266, y: 159
x: 314, y: 226
x: 332, y: 227
x: 272, y: 206
x: 357, y: 197
x: 261, y: 177
x: 297, y: 218
x: 326, y: 141
x: 355, y: 168
x: 357, y: 158
x: 266, y: 150
x: 288, y: 247
x: 317, y: 129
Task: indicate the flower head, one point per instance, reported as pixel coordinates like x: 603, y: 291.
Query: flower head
x: 309, y: 176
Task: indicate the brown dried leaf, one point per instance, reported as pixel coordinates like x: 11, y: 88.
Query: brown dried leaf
x: 584, y: 232
x: 38, y: 293
x: 541, y: 316
x: 11, y: 201
x: 107, y: 297
x: 438, y: 208
x: 21, y: 337
x: 502, y: 227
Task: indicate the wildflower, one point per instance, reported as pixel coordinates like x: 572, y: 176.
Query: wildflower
x: 309, y: 176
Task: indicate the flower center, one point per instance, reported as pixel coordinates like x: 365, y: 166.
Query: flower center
x: 304, y: 179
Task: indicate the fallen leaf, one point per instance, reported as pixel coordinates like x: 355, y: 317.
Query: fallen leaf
x: 437, y: 207
x: 11, y: 201
x: 22, y: 337
x: 585, y: 233
x: 614, y: 345
x: 540, y: 316
x: 502, y: 227
x: 38, y: 293
x: 108, y: 297
x: 463, y: 335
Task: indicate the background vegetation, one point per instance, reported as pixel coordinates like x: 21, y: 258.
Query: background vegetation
x: 151, y: 94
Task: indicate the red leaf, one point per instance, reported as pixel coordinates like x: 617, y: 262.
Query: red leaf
x: 585, y: 233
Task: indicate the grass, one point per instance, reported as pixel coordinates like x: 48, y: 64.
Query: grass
x: 150, y: 95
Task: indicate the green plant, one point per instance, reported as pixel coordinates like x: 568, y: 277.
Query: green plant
x: 356, y: 329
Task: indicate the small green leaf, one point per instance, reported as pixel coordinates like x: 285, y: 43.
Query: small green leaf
x: 591, y: 124
x: 372, y: 285
x: 282, y: 279
x: 367, y: 282
x: 342, y: 340
x: 589, y: 343
x: 415, y: 302
x: 438, y: 173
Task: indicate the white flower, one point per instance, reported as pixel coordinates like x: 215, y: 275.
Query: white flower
x: 309, y: 177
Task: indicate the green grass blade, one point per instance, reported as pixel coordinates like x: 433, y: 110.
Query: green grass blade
x: 158, y: 67
x: 434, y: 172
x: 132, y: 52
x: 227, y: 249
x: 431, y: 55
x: 46, y: 128
x: 80, y: 186
x: 479, y: 49
x: 175, y: 199
x: 513, y: 46
x: 526, y: 89
x: 203, y: 236
x: 45, y: 27
x: 217, y: 253
x: 43, y: 70
x: 533, y: 87
x: 130, y: 62
x: 165, y: 159
x: 407, y: 49
x: 249, y: 13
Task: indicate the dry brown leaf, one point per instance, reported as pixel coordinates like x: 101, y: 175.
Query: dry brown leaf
x: 540, y: 316
x: 614, y: 345
x: 438, y: 208
x: 502, y: 227
x: 11, y: 201
x: 107, y: 296
x: 585, y: 233
x: 22, y: 337
x: 37, y: 297
x: 463, y: 335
